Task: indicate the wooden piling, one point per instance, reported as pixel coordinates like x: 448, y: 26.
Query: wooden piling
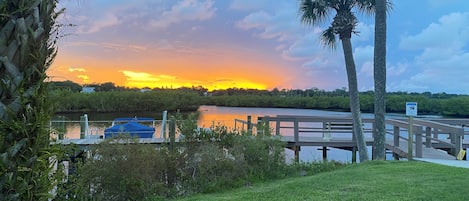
x: 324, y: 153
x: 354, y: 154
x: 249, y: 125
x: 259, y: 126
x: 61, y: 127
x: 297, y: 150
x: 410, y: 141
x: 82, y: 127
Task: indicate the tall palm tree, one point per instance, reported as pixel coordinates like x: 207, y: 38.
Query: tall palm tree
x: 343, y: 24
x: 26, y: 51
x: 380, y: 79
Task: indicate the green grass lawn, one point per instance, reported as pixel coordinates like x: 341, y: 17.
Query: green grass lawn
x: 376, y: 180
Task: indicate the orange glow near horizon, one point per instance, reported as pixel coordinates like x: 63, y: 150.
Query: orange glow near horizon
x: 142, y: 80
x: 173, y: 78
x: 226, y: 69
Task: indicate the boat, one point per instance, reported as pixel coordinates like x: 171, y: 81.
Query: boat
x: 135, y: 127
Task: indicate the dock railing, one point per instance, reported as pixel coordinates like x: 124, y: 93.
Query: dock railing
x: 300, y: 125
x: 428, y: 133
x: 401, y: 125
x: 455, y: 134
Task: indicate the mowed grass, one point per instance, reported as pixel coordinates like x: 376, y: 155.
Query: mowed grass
x: 375, y: 180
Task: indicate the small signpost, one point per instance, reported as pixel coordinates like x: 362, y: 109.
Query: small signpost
x: 411, y: 112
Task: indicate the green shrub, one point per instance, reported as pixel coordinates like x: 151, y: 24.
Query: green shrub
x: 219, y: 158
x: 205, y: 160
x: 120, y: 169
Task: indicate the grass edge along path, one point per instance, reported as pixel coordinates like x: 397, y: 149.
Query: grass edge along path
x: 374, y: 180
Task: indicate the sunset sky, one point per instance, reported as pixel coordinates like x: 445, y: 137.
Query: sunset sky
x: 260, y: 44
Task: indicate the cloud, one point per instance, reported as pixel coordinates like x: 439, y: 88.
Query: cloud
x: 309, y: 45
x: 186, y: 10
x: 167, y: 77
x: 72, y: 69
x: 397, y: 69
x: 450, y: 32
x: 144, y: 79
x: 363, y: 56
x: 273, y: 21
x: 139, y: 76
x: 107, y: 45
x: 365, y: 32
x: 250, y: 4
x: 98, y: 16
x: 84, y: 78
x: 93, y: 25
x: 442, y: 57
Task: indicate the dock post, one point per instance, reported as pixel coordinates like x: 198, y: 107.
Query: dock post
x: 324, y: 154
x: 296, y: 137
x: 458, y: 137
x: 277, y: 127
x: 410, y: 141
x: 163, y: 125
x: 266, y: 125
x: 418, y: 143
x: 296, y: 131
x: 354, y: 154
x: 249, y: 125
x: 61, y: 127
x: 428, y: 137
x: 297, y: 153
x: 396, y: 133
x: 259, y: 126
x: 83, y: 126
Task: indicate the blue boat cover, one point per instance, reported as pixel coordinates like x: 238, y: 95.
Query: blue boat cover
x: 132, y: 128
x: 134, y: 119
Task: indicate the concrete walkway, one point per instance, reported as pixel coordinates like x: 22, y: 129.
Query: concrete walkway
x: 454, y: 163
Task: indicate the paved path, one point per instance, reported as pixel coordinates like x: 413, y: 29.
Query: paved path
x: 454, y: 163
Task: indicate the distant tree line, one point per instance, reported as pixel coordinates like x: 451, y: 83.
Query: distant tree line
x: 111, y: 98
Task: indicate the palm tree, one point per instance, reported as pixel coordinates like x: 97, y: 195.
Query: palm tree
x: 26, y: 51
x: 380, y: 79
x: 343, y: 24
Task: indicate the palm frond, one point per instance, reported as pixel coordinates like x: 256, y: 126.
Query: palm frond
x: 328, y: 38
x: 389, y: 6
x: 366, y: 6
x: 314, y: 12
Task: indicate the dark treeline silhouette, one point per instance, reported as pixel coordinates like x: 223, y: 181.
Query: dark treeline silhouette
x: 110, y: 98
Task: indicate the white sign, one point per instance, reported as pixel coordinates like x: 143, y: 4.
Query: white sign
x: 411, y: 109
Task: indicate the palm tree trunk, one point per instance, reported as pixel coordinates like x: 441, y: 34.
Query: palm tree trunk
x: 379, y: 133
x: 354, y: 99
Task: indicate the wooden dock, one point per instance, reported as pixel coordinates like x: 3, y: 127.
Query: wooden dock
x: 433, y: 139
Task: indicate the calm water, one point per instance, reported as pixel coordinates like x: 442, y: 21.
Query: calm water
x: 210, y: 115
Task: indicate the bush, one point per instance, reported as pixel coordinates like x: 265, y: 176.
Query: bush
x: 219, y: 158
x: 119, y: 169
x: 205, y: 160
